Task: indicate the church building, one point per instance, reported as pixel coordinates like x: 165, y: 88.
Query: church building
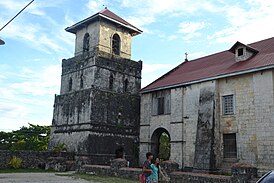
x: 216, y: 110
x: 97, y: 111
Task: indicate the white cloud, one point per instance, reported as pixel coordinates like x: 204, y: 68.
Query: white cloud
x: 154, y: 71
x: 95, y: 6
x: 172, y: 37
x: 190, y: 27
x: 191, y: 30
x: 13, y: 5
x: 46, y: 82
x: 140, y: 21
x: 18, y: 112
x: 46, y: 34
x: 2, y: 77
x: 30, y: 98
x: 146, y: 12
x: 192, y: 56
x: 247, y: 23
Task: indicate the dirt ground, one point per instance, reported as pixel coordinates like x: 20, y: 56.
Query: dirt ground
x: 38, y: 178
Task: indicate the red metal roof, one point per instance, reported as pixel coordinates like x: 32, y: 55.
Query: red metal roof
x: 214, y: 66
x: 107, y: 14
x: 113, y: 16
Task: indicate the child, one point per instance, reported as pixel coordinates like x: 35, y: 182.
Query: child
x: 155, y: 169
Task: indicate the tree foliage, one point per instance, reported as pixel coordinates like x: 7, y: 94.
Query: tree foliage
x: 164, y: 147
x: 34, y: 137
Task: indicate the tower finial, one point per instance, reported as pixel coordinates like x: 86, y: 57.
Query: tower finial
x: 186, y: 56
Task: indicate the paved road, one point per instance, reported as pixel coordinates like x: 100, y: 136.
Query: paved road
x: 38, y: 178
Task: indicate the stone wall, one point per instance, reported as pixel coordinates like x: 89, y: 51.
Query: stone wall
x: 181, y: 123
x: 253, y: 119
x: 240, y: 174
x: 251, y: 122
x: 32, y: 159
x: 262, y: 143
x: 89, y: 122
x: 184, y: 177
x: 95, y: 67
x: 204, y: 153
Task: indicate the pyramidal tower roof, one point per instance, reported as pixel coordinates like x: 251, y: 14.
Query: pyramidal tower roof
x: 108, y: 15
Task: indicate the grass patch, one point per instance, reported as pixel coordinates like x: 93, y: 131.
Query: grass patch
x: 25, y: 170
x: 96, y: 178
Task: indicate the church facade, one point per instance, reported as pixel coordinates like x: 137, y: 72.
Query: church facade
x: 97, y: 111
x: 216, y: 110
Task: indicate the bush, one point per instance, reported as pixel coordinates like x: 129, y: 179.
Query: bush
x: 15, y: 162
x: 59, y: 148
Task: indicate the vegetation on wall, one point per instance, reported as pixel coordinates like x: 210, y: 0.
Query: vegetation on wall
x: 33, y: 137
x: 15, y: 162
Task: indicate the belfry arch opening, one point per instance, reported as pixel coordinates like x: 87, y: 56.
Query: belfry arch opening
x: 116, y: 41
x: 160, y: 143
x: 86, y: 43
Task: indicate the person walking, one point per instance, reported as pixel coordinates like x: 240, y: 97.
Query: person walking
x: 156, y: 170
x: 147, y: 168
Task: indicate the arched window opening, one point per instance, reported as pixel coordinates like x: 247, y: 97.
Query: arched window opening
x: 70, y: 84
x: 126, y: 85
x: 111, y: 79
x: 116, y: 44
x: 81, y: 81
x: 86, y: 43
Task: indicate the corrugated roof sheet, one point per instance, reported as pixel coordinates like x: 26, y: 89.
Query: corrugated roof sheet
x: 215, y: 65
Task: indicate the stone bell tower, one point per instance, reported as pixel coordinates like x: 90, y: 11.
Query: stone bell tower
x: 97, y: 111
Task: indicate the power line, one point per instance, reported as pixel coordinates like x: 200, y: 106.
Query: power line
x: 16, y: 15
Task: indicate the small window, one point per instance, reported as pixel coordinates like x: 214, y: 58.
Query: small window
x: 70, y: 84
x: 126, y: 86
x: 116, y: 44
x: 111, y: 79
x: 230, y: 145
x: 161, y: 105
x: 86, y: 43
x: 82, y: 81
x: 240, y: 51
x: 228, y: 104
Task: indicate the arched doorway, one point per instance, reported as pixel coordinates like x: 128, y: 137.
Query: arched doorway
x: 160, y: 143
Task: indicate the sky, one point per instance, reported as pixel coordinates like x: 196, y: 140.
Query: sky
x: 36, y: 42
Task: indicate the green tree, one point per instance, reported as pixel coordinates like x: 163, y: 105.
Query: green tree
x: 34, y: 137
x: 164, y: 147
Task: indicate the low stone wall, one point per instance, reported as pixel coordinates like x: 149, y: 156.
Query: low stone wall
x: 129, y: 173
x: 243, y: 172
x: 181, y: 177
x: 125, y: 172
x: 32, y: 159
x: 96, y: 169
x: 64, y: 161
x: 242, y: 175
